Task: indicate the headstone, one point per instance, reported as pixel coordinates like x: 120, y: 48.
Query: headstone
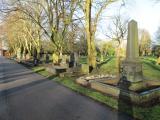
x: 64, y: 61
x: 47, y: 57
x: 27, y: 56
x: 72, y: 60
x: 19, y: 54
x: 75, y: 59
x: 41, y: 53
x: 35, y: 57
x: 84, y: 68
x: 131, y: 67
x: 55, y: 58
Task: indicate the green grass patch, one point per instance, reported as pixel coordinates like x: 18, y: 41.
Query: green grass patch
x: 83, y: 60
x: 109, y: 67
x: 150, y: 69
x: 152, y: 60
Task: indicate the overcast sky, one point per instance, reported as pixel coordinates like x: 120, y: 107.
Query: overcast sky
x: 145, y: 12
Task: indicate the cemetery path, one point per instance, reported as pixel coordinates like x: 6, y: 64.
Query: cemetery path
x: 25, y: 95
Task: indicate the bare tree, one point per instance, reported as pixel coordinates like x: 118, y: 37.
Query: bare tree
x: 144, y: 43
x: 91, y: 23
x: 118, y: 32
x: 53, y: 17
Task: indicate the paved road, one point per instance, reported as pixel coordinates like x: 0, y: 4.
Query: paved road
x: 25, y: 95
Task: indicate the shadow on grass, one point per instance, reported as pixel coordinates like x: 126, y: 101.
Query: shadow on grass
x: 40, y: 70
x: 105, y: 62
x: 51, y: 77
x: 97, y: 70
x: 151, y: 65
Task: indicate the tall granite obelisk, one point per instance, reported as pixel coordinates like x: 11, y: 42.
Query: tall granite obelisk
x: 131, y: 67
x: 132, y: 52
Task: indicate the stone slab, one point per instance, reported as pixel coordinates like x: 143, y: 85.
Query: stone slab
x: 116, y: 92
x: 56, y: 69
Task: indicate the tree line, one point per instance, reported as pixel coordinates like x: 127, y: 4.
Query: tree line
x: 64, y: 26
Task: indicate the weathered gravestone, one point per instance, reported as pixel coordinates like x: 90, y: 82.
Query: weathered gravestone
x: 131, y: 67
x: 35, y: 57
x: 55, y: 58
x: 73, y: 60
x: 84, y: 68
x: 47, y: 57
x: 64, y: 61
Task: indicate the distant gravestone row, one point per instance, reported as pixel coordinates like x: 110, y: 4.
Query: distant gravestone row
x: 65, y: 60
x: 65, y: 64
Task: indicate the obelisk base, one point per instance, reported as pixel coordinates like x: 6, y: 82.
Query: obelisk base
x: 131, y: 71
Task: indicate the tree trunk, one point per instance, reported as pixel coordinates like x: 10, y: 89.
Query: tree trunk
x: 90, y: 36
x: 118, y: 60
x: 158, y: 61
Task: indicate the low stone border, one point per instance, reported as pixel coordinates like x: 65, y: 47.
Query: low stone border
x: 96, y: 82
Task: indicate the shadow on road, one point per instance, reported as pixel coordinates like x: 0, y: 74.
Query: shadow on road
x: 22, y: 87
x: 124, y: 102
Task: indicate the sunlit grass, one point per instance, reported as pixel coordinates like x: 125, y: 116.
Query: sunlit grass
x: 109, y: 67
x: 150, y: 69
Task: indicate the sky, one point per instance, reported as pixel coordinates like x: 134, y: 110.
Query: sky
x: 145, y: 12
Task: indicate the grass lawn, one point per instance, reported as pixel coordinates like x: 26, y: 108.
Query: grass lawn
x: 150, y: 69
x: 109, y: 67
x: 83, y: 60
